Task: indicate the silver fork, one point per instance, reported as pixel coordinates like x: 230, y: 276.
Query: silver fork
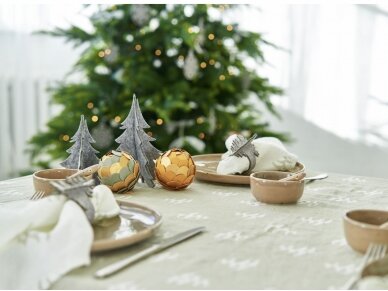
x: 373, y: 253
x: 38, y: 195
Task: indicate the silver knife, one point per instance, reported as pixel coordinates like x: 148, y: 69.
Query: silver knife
x: 118, y: 266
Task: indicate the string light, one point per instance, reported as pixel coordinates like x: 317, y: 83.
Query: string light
x: 210, y: 36
x: 201, y: 135
x: 212, y: 62
x: 181, y: 58
x: 159, y: 121
x: 66, y: 137
x: 150, y: 133
x: 222, y: 77
x: 138, y: 47
x: 101, y: 54
x: 203, y: 65
x: 117, y: 119
x: 108, y: 51
x: 158, y: 52
x: 229, y: 27
x: 190, y: 30
x: 232, y: 71
x: 200, y: 120
x: 90, y: 105
x: 94, y: 118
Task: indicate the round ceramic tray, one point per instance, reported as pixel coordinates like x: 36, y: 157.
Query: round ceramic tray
x: 134, y: 224
x: 206, y: 170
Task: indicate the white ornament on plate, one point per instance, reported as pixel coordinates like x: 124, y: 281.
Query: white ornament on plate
x: 140, y: 14
x: 190, y: 68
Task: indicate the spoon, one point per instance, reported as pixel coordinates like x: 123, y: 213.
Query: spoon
x: 86, y: 172
x: 298, y: 177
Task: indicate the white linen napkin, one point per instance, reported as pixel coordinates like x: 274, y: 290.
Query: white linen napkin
x: 273, y: 156
x: 42, y: 240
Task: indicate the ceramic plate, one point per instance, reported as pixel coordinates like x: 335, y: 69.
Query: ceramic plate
x: 134, y: 224
x: 206, y: 170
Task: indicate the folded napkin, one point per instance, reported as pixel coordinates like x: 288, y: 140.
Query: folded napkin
x: 273, y: 156
x: 42, y: 240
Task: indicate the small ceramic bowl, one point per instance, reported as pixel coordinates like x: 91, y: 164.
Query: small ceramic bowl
x: 267, y: 188
x: 362, y: 228
x: 43, y: 178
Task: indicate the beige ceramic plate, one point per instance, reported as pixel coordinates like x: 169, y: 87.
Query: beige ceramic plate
x: 206, y: 170
x: 134, y: 224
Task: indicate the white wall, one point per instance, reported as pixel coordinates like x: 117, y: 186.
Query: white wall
x: 324, y: 151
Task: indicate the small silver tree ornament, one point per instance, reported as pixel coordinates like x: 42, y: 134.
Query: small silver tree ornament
x: 82, y: 154
x: 138, y: 143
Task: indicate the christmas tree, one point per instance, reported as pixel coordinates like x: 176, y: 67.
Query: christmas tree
x: 137, y: 143
x: 186, y: 65
x: 82, y: 154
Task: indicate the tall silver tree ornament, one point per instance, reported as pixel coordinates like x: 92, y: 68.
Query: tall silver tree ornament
x: 138, y: 143
x: 82, y: 154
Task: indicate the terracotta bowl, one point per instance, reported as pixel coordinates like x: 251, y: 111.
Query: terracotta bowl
x: 43, y: 178
x: 362, y: 228
x: 267, y: 188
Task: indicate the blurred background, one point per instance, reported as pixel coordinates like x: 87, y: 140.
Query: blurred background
x: 330, y: 61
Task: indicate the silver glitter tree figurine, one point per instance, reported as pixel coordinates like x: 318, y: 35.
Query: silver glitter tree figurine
x: 82, y: 154
x: 138, y: 143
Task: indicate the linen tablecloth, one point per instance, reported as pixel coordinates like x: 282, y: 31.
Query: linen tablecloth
x: 248, y: 245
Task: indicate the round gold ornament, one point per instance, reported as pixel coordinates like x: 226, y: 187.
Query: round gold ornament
x: 175, y: 169
x: 119, y: 171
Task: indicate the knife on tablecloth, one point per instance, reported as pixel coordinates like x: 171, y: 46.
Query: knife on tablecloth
x: 118, y: 266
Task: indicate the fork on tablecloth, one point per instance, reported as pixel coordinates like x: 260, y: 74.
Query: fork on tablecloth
x: 38, y: 195
x: 7, y: 198
x: 373, y: 253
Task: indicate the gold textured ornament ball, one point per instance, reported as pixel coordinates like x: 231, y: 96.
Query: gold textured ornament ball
x: 175, y: 169
x: 119, y: 171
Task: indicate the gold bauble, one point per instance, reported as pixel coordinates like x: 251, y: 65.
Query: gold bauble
x: 119, y: 171
x: 175, y: 169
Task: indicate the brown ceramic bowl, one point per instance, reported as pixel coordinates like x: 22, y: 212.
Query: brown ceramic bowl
x: 362, y: 228
x: 43, y: 178
x: 267, y: 188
